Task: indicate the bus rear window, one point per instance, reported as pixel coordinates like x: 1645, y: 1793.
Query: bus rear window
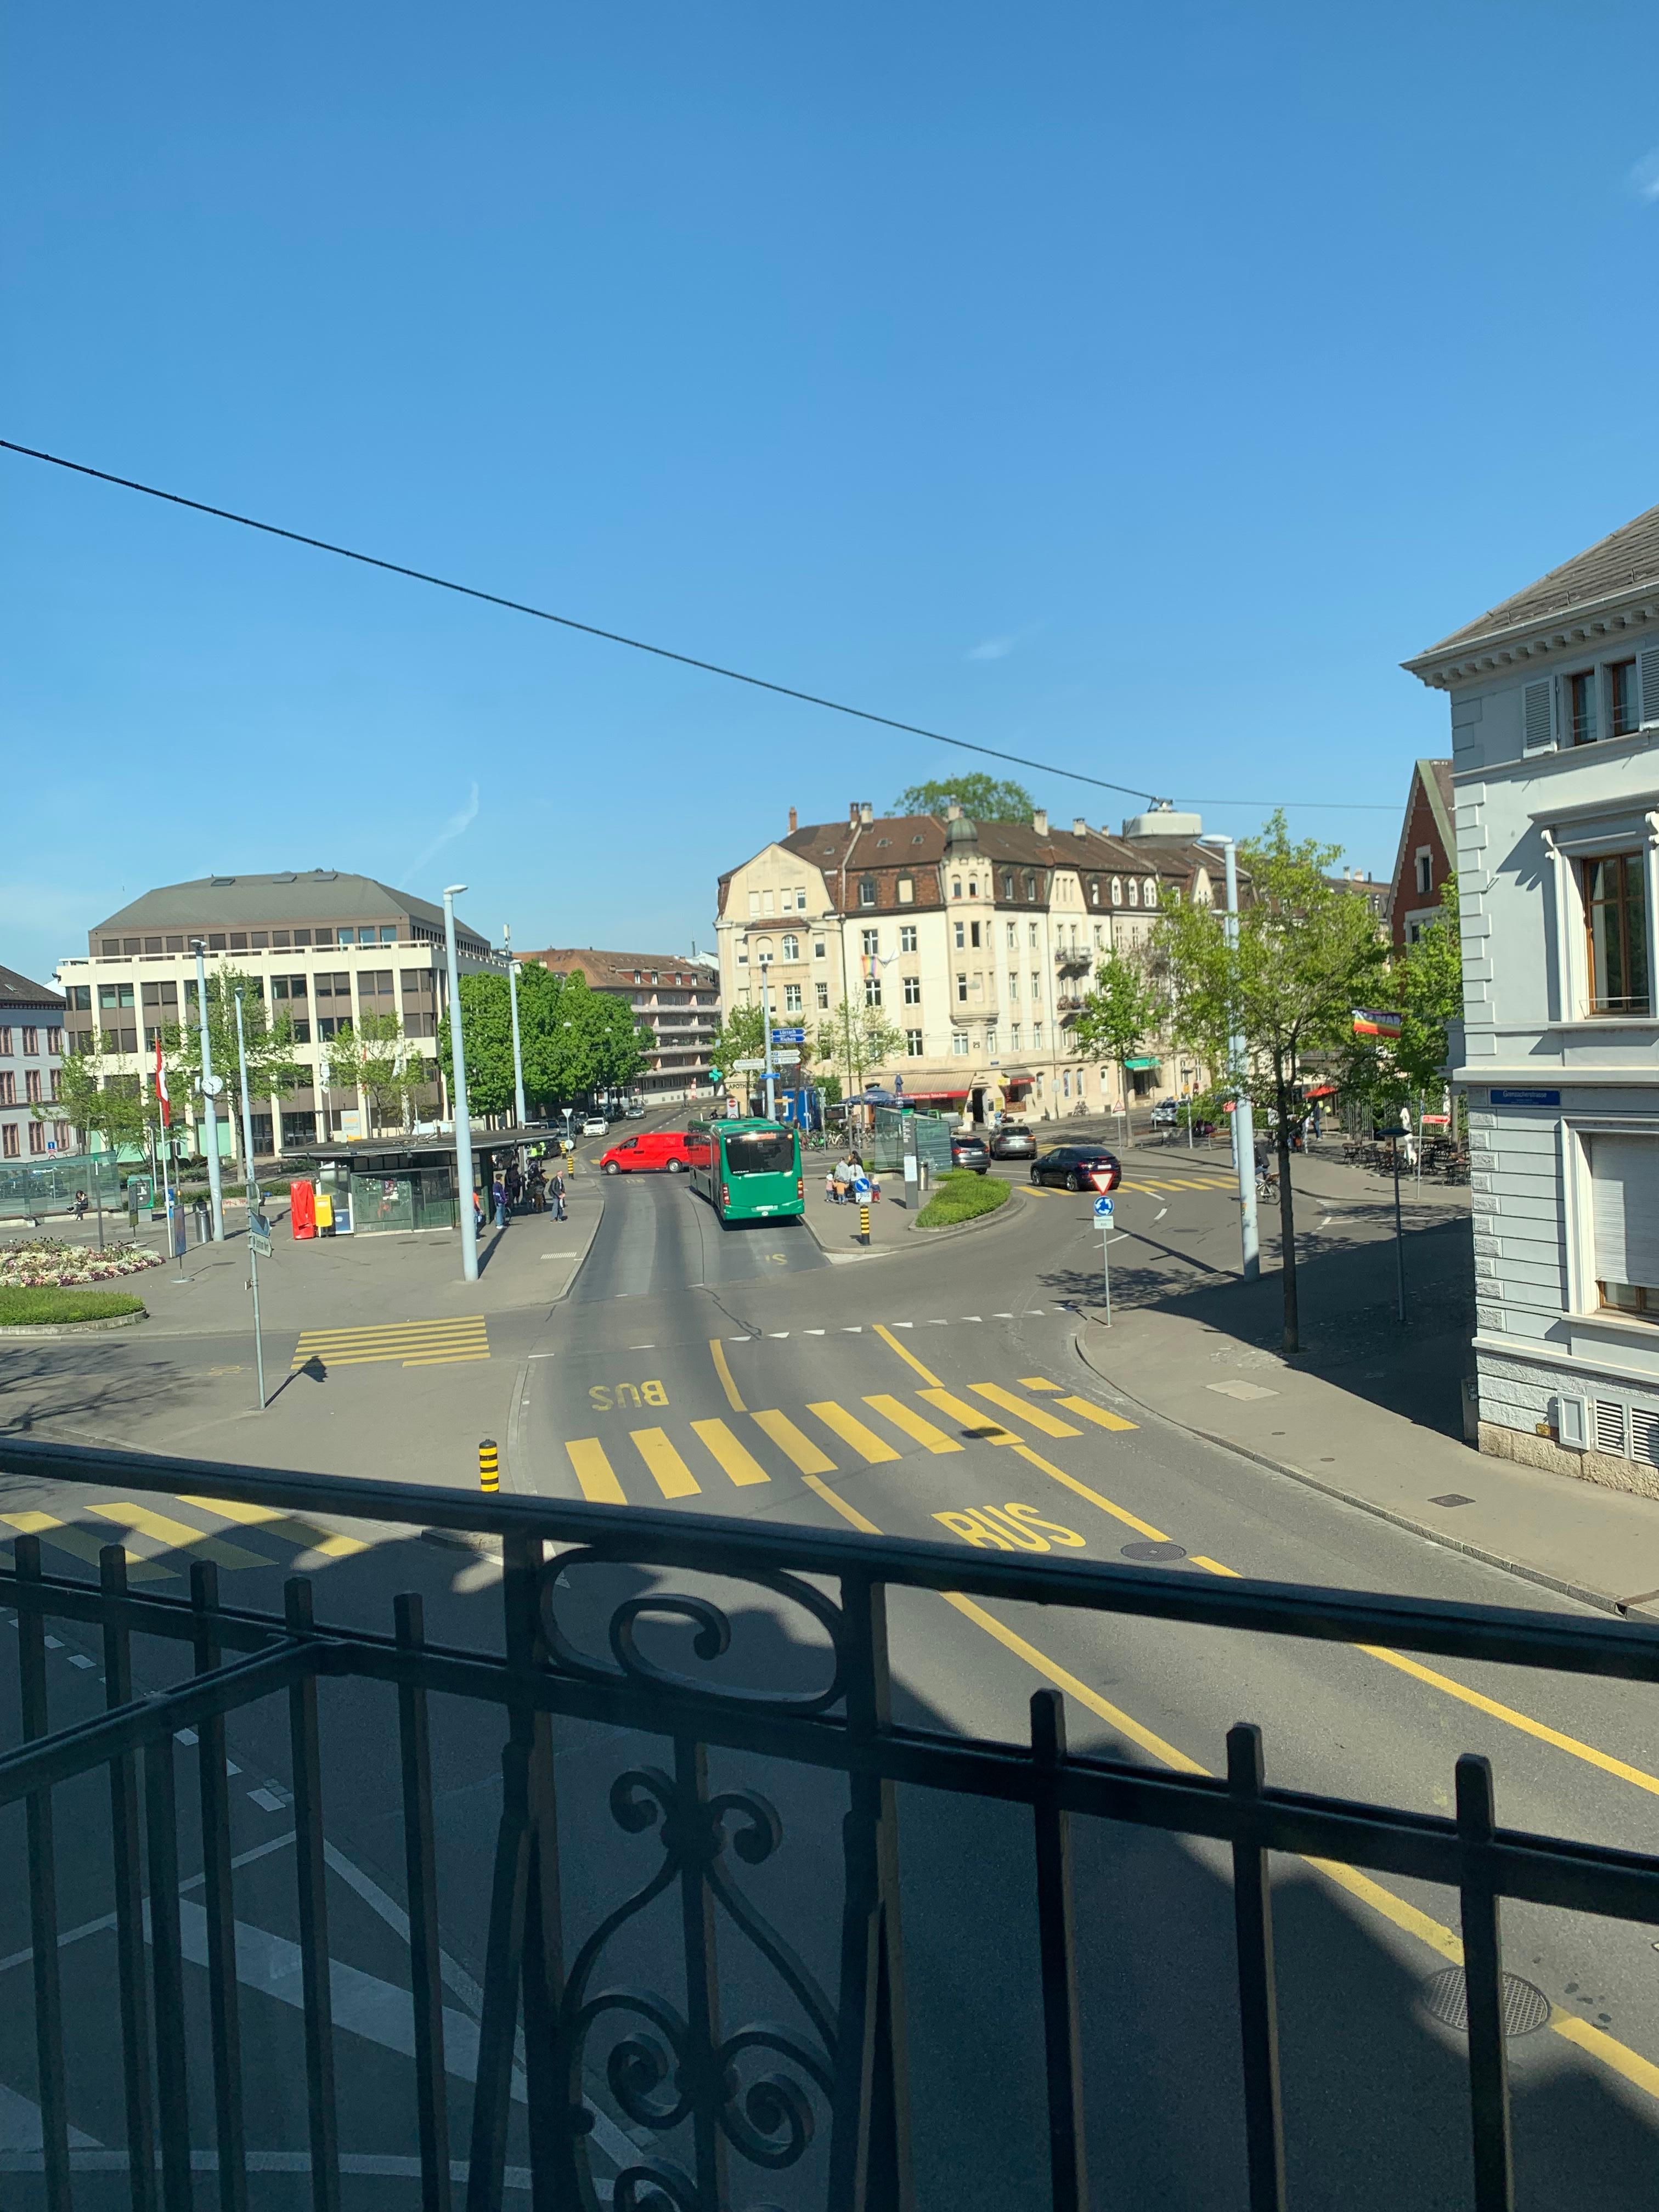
x: 761, y: 1151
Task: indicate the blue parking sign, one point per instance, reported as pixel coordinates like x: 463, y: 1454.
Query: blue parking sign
x: 1103, y: 1209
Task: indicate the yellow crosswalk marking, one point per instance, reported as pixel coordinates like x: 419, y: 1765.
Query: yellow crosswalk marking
x: 673, y: 1477
x: 852, y: 1431
x: 180, y: 1536
x: 1037, y: 1382
x: 1038, y: 1416
x: 410, y: 1343
x: 442, y: 1358
x: 795, y: 1444
x: 594, y: 1472
x: 304, y: 1534
x: 981, y: 1426
x: 738, y: 1460
x: 893, y: 1343
x: 1089, y: 1410
x: 80, y: 1544
x: 906, y: 1418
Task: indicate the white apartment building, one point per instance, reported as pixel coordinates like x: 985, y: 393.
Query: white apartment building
x: 1555, y: 777
x: 325, y: 947
x: 975, y: 939
x: 676, y: 1000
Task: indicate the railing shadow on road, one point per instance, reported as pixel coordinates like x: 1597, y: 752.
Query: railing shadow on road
x: 703, y: 1905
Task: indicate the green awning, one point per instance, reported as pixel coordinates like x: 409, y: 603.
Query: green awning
x: 1144, y: 1062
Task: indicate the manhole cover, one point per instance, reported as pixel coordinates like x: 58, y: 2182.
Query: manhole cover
x: 1154, y: 1550
x: 1446, y: 1998
x: 1452, y: 1498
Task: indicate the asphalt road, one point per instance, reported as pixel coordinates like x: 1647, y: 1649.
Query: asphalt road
x: 938, y: 1394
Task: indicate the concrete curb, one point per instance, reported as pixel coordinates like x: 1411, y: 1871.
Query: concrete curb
x: 1604, y: 1601
x: 1015, y: 1202
x: 76, y: 1327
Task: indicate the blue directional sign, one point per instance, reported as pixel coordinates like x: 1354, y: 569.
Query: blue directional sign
x: 788, y: 1037
x: 1103, y: 1209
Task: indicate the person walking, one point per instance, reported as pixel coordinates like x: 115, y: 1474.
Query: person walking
x: 557, y: 1185
x: 498, y: 1200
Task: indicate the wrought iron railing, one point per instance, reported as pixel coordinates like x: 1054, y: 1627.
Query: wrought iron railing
x: 824, y: 2095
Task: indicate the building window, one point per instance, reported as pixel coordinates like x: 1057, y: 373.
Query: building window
x: 1625, y: 1203
x: 32, y: 1040
x: 37, y: 1137
x: 1007, y: 883
x: 961, y: 936
x: 1013, y: 983
x: 761, y: 949
x: 867, y: 891
x: 55, y: 1041
x: 991, y: 1046
x: 1616, y: 935
x: 1134, y: 892
x: 1425, y: 871
x: 1037, y: 986
x: 1581, y: 707
x: 912, y: 1044
x: 955, y: 886
x: 822, y: 990
x: 792, y: 998
x: 906, y: 891
x: 873, y: 990
x: 871, y: 939
x: 1033, y: 928
x: 8, y: 1087
x: 1623, y: 716
x: 973, y: 934
x: 754, y: 912
x: 1013, y: 1036
x: 973, y: 887
x: 962, y: 988
x: 913, y: 990
x: 1094, y: 890
x: 1031, y: 884
x: 32, y: 1086
x: 958, y: 1044
x: 817, y: 948
x: 80, y: 998
x: 1013, y: 935
x: 1036, y: 1036
x: 792, y: 948
x: 1117, y: 890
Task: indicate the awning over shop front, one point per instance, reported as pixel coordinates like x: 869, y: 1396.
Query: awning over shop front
x: 1144, y: 1061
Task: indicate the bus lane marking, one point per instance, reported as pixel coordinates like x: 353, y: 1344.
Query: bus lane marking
x: 619, y: 1397
x: 1010, y: 1527
x: 717, y: 1352
x: 906, y: 1354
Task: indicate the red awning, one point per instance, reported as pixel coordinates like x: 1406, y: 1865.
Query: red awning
x: 1320, y: 1090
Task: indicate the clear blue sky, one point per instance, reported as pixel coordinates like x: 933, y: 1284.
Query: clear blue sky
x: 1132, y: 387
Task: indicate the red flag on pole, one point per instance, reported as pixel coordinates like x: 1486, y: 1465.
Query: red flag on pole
x: 161, y: 1088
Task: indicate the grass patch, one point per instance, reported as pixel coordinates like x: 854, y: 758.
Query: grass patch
x: 961, y: 1195
x: 29, y: 1309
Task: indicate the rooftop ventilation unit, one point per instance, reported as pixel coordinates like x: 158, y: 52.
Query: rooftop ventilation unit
x: 324, y: 875
x: 1161, y: 820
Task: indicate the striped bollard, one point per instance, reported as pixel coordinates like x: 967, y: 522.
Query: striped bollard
x: 863, y: 1224
x: 490, y: 1471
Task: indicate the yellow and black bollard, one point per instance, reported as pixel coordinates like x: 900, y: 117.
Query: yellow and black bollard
x: 863, y: 1224
x: 490, y: 1471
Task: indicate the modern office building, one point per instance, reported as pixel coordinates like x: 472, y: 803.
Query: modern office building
x: 676, y: 998
x: 31, y: 1054
x: 323, y: 946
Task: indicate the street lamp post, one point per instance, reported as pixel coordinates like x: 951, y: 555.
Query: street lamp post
x: 209, y: 1083
x: 513, y: 1000
x: 1243, y: 1119
x: 463, y: 1118
x: 766, y: 1037
x: 254, y: 1215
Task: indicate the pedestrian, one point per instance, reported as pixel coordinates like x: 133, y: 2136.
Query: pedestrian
x: 477, y: 1211
x: 831, y: 1195
x: 80, y: 1206
x: 513, y: 1188
x: 1318, y: 1120
x: 538, y: 1189
x: 498, y: 1200
x: 557, y: 1187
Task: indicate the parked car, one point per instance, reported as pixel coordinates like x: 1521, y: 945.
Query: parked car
x: 596, y: 1125
x: 653, y: 1150
x: 1078, y: 1167
x: 1165, y: 1116
x: 1013, y: 1141
x: 635, y: 1111
x: 969, y: 1152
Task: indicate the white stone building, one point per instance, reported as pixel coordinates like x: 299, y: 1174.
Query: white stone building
x: 1555, y: 752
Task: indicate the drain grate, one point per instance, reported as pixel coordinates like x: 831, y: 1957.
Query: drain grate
x: 1446, y: 1998
x: 1154, y: 1550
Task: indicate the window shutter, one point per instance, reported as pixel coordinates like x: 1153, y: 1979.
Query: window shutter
x: 1625, y: 1179
x: 1539, y: 719
x: 1650, y: 686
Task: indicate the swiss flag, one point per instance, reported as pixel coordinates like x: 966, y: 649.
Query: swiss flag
x: 161, y: 1088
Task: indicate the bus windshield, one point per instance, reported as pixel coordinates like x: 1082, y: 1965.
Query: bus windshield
x: 761, y: 1151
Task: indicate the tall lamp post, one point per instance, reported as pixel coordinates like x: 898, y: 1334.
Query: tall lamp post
x: 211, y: 1085
x: 1243, y: 1119
x: 513, y: 1000
x: 458, y: 1093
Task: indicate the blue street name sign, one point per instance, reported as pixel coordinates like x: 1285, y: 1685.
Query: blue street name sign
x: 788, y: 1037
x: 1526, y: 1098
x: 1103, y: 1209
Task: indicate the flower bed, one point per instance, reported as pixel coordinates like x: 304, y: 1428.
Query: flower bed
x: 46, y: 1263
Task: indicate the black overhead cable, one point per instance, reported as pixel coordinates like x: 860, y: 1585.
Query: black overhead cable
x: 637, y: 644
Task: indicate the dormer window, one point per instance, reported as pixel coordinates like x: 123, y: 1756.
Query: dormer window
x: 1007, y: 883
x: 1117, y: 890
x: 1094, y: 890
x: 1134, y: 892
x: 867, y: 891
x: 1031, y: 884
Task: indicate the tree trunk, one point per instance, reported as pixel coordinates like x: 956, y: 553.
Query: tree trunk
x: 1292, y: 1334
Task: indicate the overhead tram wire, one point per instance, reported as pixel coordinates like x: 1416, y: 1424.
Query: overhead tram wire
x: 638, y: 644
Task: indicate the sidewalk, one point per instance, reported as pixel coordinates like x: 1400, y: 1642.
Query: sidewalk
x: 1370, y: 1414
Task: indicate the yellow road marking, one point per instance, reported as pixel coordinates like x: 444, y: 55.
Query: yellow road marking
x: 732, y: 1399
x: 180, y: 1536
x: 444, y: 1359
x: 595, y: 1473
x: 1090, y: 1412
x: 795, y: 1444
x: 984, y: 1429
x: 673, y: 1477
x: 908, y: 1356
x: 738, y: 1460
x: 905, y: 1416
x: 850, y: 1430
x: 80, y: 1544
x: 373, y: 1332
x: 1118, y: 1512
x: 1038, y: 1416
x: 1641, y: 2073
x: 1037, y: 1382
x: 303, y: 1533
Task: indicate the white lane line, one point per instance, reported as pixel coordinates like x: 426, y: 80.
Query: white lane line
x: 106, y: 1920
x: 541, y: 1355
x: 903, y: 1324
x: 811, y: 1332
x: 973, y: 1316
x: 854, y: 1328
x: 737, y: 1339
x: 939, y: 1324
x: 1159, y: 1215
x: 396, y: 1919
x: 776, y: 1335
x: 1002, y: 1316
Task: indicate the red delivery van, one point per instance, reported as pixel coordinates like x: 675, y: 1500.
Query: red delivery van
x: 661, y: 1149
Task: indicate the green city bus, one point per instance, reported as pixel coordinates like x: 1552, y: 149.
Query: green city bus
x: 748, y: 1170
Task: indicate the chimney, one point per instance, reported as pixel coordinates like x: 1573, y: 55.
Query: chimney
x: 1040, y: 820
x: 953, y: 810
x: 794, y: 821
x: 866, y: 812
x: 853, y: 815
x: 1080, y: 827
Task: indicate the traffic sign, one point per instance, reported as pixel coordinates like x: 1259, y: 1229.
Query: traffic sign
x: 258, y: 1244
x: 1103, y: 1209
x: 786, y: 1059
x: 748, y: 1067
x: 789, y: 1036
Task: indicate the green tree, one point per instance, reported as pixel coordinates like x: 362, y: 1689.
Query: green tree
x: 981, y: 798
x: 742, y: 1037
x: 95, y: 1105
x: 1425, y: 986
x: 571, y: 1039
x: 1121, y: 1014
x: 376, y: 1058
x: 274, y: 1067
x: 860, y: 1037
x: 1308, y: 954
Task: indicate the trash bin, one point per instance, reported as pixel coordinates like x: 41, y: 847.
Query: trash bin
x: 1472, y: 1409
x: 198, y: 1207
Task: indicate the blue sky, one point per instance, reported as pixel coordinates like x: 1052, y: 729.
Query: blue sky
x: 1129, y: 387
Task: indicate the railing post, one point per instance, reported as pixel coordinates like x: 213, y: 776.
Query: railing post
x: 420, y: 1859
x: 306, y: 1751
x: 1258, y: 1999
x: 870, y: 2147
x: 127, y: 1857
x: 222, y: 2002
x: 43, y: 1896
x: 1483, y: 1983
x: 1057, y: 1954
x: 167, y: 1965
